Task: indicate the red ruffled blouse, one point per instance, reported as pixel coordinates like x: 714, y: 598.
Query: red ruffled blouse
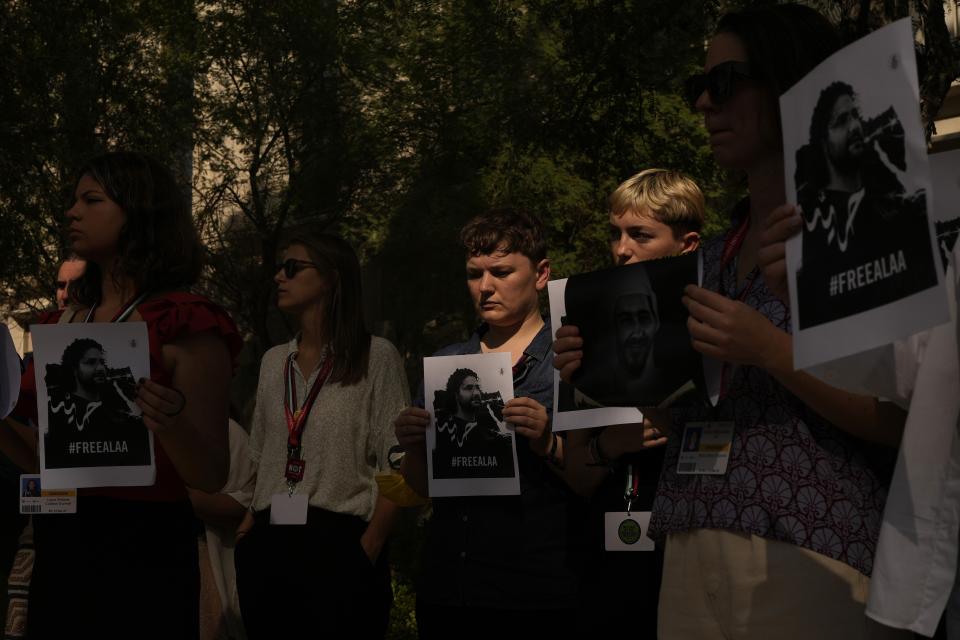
x: 169, y: 317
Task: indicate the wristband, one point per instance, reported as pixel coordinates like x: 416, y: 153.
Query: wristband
x: 600, y: 458
x: 551, y: 455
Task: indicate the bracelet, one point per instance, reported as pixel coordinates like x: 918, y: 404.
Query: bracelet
x: 551, y: 455
x: 601, y: 459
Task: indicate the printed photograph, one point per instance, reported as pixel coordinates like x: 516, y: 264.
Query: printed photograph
x: 30, y: 487
x: 92, y: 417
x: 470, y: 426
x: 859, y: 218
x: 92, y: 432
x: 637, y: 349
x: 472, y: 449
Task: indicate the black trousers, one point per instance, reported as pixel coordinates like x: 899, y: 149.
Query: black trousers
x: 116, y: 569
x: 440, y: 622
x: 313, y: 576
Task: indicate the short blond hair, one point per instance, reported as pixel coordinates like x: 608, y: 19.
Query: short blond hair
x: 671, y: 198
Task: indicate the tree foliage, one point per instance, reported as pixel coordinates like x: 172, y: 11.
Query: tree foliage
x: 390, y: 122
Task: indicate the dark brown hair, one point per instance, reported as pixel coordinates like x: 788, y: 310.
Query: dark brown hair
x: 784, y: 42
x: 344, y: 325
x: 506, y: 230
x: 158, y: 246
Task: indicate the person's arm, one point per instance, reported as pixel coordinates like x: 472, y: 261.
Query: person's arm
x: 193, y: 428
x: 782, y: 223
x: 731, y: 331
x: 218, y: 509
x: 410, y: 428
x: 586, y: 466
x: 385, y: 515
x: 590, y: 453
x: 569, y: 456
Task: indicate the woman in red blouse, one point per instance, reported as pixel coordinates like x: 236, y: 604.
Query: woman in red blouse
x: 125, y: 565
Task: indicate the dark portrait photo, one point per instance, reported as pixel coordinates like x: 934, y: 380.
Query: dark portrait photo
x: 471, y: 438
x: 634, y: 327
x: 866, y: 239
x: 30, y: 487
x: 92, y: 418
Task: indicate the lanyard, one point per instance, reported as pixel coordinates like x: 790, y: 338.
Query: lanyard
x: 731, y: 251
x: 296, y: 415
x: 124, y: 312
x: 632, y: 490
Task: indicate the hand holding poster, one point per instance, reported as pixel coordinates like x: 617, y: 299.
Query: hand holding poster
x: 864, y: 271
x: 471, y: 449
x: 92, y: 432
x: 636, y: 351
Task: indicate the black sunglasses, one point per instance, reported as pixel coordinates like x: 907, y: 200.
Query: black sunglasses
x: 291, y: 267
x: 719, y: 83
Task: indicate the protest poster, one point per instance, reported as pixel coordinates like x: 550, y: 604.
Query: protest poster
x: 471, y: 450
x: 92, y: 432
x: 636, y: 351
x: 864, y: 270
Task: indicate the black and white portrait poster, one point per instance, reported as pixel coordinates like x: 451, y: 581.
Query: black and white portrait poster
x: 636, y: 349
x: 945, y: 176
x: 471, y: 447
x: 91, y: 430
x: 865, y: 269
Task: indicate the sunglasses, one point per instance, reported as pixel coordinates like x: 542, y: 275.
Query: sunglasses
x: 719, y: 83
x: 291, y: 267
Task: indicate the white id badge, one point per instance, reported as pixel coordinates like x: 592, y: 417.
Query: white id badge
x: 624, y: 531
x: 35, y: 499
x: 706, y: 448
x: 287, y: 509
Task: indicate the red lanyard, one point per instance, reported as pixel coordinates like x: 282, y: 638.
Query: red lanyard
x: 297, y: 416
x: 731, y: 250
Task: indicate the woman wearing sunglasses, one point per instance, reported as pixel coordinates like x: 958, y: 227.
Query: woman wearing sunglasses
x: 780, y: 544
x: 313, y: 543
x: 125, y: 564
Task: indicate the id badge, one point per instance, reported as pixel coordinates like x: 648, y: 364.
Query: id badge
x: 288, y: 509
x: 705, y: 449
x: 624, y: 531
x: 34, y: 499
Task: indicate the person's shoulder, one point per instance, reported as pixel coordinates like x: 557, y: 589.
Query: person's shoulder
x: 274, y: 354
x: 455, y: 349
x: 382, y: 348
x: 178, y: 314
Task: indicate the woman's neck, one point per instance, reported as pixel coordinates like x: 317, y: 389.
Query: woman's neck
x: 313, y: 339
x: 767, y: 191
x: 513, y: 337
x: 114, y: 292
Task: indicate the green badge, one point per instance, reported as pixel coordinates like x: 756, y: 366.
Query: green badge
x: 629, y: 531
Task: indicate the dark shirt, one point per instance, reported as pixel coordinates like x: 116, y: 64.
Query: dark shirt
x: 507, y: 552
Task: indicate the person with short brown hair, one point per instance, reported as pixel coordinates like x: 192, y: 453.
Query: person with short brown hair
x: 502, y: 563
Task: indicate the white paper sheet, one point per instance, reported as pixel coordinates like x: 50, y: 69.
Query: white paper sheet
x: 471, y: 450
x: 865, y: 270
x: 92, y: 442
